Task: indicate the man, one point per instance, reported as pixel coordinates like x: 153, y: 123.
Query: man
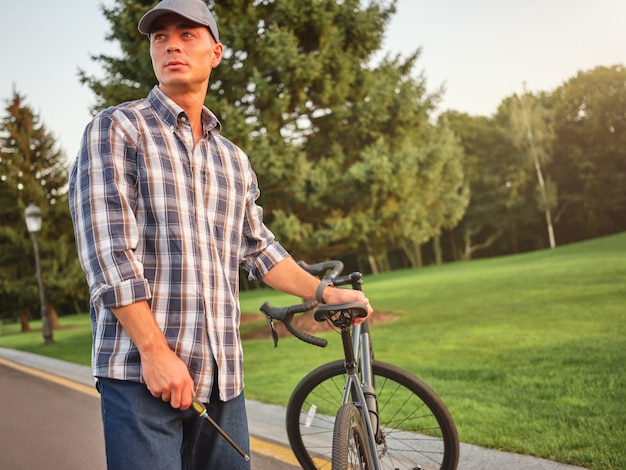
x: 164, y: 213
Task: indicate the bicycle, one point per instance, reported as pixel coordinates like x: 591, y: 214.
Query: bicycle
x: 359, y: 412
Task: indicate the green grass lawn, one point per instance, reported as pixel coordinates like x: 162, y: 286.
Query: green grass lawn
x: 527, y: 351
x: 72, y: 340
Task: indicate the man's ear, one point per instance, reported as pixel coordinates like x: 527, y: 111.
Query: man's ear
x: 218, y: 50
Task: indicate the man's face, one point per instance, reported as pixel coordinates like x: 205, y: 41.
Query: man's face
x: 183, y: 54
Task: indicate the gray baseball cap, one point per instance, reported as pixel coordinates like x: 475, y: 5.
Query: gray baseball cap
x: 194, y: 10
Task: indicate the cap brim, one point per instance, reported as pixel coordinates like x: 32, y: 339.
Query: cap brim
x: 145, y: 23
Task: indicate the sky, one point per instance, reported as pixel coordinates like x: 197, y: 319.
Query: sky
x: 480, y: 51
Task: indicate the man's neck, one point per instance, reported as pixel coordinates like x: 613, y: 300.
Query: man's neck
x: 192, y: 103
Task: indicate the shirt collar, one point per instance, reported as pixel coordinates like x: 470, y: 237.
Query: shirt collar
x: 170, y: 112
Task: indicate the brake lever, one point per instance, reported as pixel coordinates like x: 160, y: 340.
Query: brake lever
x: 270, y: 324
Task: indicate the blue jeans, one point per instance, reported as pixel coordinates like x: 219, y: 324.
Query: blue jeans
x: 144, y: 433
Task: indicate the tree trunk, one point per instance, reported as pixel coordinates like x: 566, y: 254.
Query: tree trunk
x: 437, y: 250
x: 467, y: 252
x: 54, y: 317
x: 544, y: 196
x: 24, y: 320
x: 534, y: 149
x: 471, y: 249
x: 413, y: 253
x: 373, y: 265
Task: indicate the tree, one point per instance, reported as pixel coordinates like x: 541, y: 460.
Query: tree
x: 130, y: 76
x: 283, y: 63
x: 297, y: 89
x: 441, y: 194
x: 532, y: 132
x: 589, y: 163
x: 366, y: 153
x: 489, y: 173
x: 32, y: 169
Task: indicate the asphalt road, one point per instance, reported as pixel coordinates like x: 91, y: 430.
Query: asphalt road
x: 56, y: 425
x: 47, y: 425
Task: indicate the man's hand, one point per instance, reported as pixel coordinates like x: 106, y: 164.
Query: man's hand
x: 164, y: 373
x: 167, y: 377
x: 333, y: 295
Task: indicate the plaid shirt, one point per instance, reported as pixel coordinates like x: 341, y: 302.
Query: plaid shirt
x: 159, y: 219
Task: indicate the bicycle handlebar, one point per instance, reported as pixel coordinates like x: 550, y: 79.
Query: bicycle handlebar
x: 285, y: 314
x: 319, y: 269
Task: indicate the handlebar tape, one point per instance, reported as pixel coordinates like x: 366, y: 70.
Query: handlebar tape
x: 319, y: 269
x: 285, y: 315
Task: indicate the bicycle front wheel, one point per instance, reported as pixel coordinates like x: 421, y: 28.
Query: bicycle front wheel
x: 350, y: 446
x: 417, y: 430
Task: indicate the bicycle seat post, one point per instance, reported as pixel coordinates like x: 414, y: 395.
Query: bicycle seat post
x: 348, y: 351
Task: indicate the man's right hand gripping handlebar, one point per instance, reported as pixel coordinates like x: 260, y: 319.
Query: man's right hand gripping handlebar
x: 326, y: 294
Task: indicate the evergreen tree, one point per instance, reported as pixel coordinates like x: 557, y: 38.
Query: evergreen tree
x: 130, y: 76
x: 32, y: 170
x: 299, y: 92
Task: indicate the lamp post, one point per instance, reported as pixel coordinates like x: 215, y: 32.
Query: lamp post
x: 32, y: 214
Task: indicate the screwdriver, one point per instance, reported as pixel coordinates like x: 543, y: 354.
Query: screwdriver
x: 202, y: 412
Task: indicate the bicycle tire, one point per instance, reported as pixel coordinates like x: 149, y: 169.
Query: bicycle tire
x: 417, y: 427
x: 350, y: 448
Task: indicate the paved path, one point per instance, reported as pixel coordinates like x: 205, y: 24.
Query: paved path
x: 47, y: 425
x: 53, y: 423
x: 27, y: 412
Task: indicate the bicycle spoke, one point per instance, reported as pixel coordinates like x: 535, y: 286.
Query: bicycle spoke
x: 416, y: 428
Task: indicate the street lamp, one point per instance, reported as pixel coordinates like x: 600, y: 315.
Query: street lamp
x: 32, y: 214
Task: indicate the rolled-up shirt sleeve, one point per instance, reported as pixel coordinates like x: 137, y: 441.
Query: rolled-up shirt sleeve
x: 261, y: 251
x: 103, y: 197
